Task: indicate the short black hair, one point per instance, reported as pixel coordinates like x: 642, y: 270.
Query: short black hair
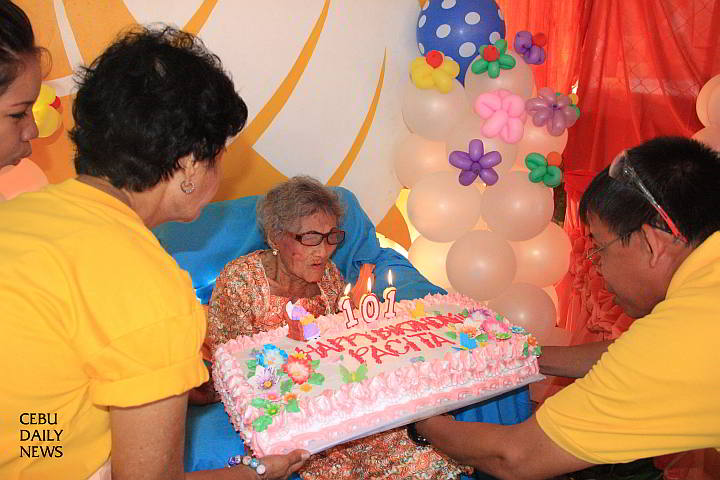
x: 153, y: 97
x: 681, y: 173
x: 17, y: 41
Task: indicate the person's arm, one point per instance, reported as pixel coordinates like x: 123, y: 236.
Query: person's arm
x: 521, y: 451
x: 574, y: 361
x: 148, y: 443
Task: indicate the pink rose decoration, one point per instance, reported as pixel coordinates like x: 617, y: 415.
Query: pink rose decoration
x: 555, y: 111
x: 504, y: 114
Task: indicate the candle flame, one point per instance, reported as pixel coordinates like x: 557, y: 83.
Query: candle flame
x: 347, y: 289
x: 390, y: 277
x: 369, y: 284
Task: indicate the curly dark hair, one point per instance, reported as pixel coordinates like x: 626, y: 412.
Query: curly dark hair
x: 682, y: 175
x: 17, y: 42
x: 153, y: 97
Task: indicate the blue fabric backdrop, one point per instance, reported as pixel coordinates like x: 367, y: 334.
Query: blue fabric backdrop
x: 227, y: 230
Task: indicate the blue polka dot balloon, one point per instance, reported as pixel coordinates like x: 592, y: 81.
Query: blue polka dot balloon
x: 457, y: 28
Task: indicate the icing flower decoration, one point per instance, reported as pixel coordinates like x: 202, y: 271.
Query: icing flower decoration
x: 434, y: 70
x: 552, y: 110
x: 264, y: 379
x: 298, y: 369
x: 504, y: 114
x: 476, y: 163
x: 493, y: 58
x: 496, y: 329
x: 305, y: 387
x: 531, y: 46
x: 289, y: 396
x: 542, y: 171
x: 273, y: 356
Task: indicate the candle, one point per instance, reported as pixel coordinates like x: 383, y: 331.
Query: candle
x: 369, y: 305
x: 389, y: 297
x: 345, y: 305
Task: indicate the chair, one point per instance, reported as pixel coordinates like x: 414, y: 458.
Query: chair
x: 227, y: 230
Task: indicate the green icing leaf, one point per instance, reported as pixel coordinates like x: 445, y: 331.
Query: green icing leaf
x: 292, y: 406
x: 465, y: 313
x: 346, y: 375
x: 360, y: 373
x: 272, y: 409
x: 286, y: 386
x: 316, y: 379
x: 537, y: 351
x: 525, y: 350
x: 259, y: 403
x: 452, y: 335
x: 499, y: 317
x: 437, y: 312
x: 261, y: 423
x: 315, y: 363
x: 483, y: 337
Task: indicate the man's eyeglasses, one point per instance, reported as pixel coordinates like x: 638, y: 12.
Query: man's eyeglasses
x: 621, y: 171
x: 592, y: 254
x: 312, y: 239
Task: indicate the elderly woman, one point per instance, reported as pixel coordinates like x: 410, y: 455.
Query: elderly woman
x: 20, y: 77
x: 300, y: 221
x: 100, y: 331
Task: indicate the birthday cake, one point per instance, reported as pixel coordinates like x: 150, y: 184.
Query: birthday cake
x: 337, y: 384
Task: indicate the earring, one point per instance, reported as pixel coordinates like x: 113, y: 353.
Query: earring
x: 275, y: 251
x: 187, y: 187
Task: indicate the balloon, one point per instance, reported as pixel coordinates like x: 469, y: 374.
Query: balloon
x: 401, y: 204
x: 492, y: 59
x: 458, y: 28
x: 544, y: 259
x: 538, y: 140
x: 518, y: 80
x: 710, y: 136
x: 476, y: 163
x: 416, y: 157
x: 552, y: 110
x: 701, y: 103
x: 528, y: 306
x: 45, y: 113
x: 542, y: 171
x: 433, y: 114
x: 530, y: 47
x: 471, y: 128
x: 441, y: 209
x: 516, y: 208
x: 504, y: 115
x: 429, y: 258
x: 713, y: 108
x: 435, y: 71
x: 481, y: 264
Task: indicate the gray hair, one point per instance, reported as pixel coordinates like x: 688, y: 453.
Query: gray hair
x: 285, y: 204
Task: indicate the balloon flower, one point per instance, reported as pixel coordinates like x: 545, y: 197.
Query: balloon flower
x: 542, y: 171
x: 504, y: 114
x: 493, y: 59
x: 574, y: 103
x: 434, y: 71
x: 531, y: 47
x: 476, y: 163
x: 45, y: 111
x: 552, y: 110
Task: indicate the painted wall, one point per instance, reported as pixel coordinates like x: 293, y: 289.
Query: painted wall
x: 322, y: 80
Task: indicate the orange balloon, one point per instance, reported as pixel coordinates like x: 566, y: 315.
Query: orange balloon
x: 554, y: 158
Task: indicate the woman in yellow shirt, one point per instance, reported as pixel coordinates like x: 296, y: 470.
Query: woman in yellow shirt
x: 100, y: 330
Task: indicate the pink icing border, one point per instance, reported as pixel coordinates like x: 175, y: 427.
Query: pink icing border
x: 457, y: 374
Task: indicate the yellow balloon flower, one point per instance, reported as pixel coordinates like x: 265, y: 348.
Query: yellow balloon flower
x: 47, y: 118
x: 434, y: 71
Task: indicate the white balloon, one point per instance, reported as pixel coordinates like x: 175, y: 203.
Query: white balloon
x: 528, y: 306
x: 518, y: 80
x: 433, y: 114
x: 543, y: 259
x: 416, y: 156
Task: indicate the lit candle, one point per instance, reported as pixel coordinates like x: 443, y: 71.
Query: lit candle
x: 389, y: 297
x: 369, y: 305
x: 345, y: 305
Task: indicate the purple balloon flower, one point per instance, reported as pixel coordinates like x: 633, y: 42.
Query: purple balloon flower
x: 529, y: 47
x: 476, y: 163
x: 552, y: 110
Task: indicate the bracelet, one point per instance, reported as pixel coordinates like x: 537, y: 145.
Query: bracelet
x: 248, y: 461
x: 415, y: 437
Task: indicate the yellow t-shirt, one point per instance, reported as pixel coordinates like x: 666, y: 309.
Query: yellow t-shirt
x: 94, y: 314
x: 657, y: 388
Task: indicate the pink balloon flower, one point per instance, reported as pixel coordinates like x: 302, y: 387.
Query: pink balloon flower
x: 504, y: 114
x: 552, y: 110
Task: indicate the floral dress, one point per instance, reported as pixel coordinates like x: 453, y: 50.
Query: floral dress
x: 242, y: 304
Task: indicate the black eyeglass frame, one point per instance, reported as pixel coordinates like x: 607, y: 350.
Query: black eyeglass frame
x: 322, y: 236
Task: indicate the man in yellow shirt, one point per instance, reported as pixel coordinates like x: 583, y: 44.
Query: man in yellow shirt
x: 654, y: 218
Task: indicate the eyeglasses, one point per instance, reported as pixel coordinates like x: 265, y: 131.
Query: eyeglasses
x: 621, y: 171
x: 312, y: 239
x: 592, y: 254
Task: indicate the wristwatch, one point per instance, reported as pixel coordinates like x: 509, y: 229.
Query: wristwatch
x: 415, y: 437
